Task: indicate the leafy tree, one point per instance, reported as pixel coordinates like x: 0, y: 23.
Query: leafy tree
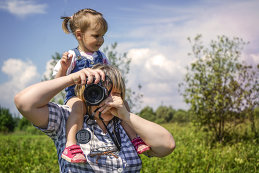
x: 23, y: 124
x: 54, y: 60
x: 181, y: 116
x: 256, y: 112
x: 7, y: 122
x: 222, y: 91
x: 121, y: 61
x: 148, y: 113
x: 164, y: 114
x: 59, y: 98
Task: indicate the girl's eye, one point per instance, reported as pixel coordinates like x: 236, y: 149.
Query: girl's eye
x: 116, y: 94
x: 97, y: 36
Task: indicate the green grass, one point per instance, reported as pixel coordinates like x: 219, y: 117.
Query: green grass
x: 192, y: 154
x: 27, y: 153
x: 37, y: 153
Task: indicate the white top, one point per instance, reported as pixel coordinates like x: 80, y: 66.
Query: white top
x: 74, y: 58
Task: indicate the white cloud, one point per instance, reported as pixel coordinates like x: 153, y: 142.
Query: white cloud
x: 254, y: 59
x: 23, y: 8
x: 159, y: 56
x: 49, y: 69
x: 209, y: 19
x: 20, y: 75
x: 158, y: 75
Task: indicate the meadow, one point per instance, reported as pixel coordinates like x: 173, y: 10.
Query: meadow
x: 22, y: 153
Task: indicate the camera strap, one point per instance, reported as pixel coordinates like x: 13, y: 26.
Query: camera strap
x: 117, y: 140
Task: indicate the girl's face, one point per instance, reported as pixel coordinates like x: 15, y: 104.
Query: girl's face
x: 92, y: 40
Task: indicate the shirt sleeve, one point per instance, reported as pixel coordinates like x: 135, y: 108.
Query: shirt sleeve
x: 73, y: 62
x: 57, y: 118
x: 105, y: 59
x: 56, y: 69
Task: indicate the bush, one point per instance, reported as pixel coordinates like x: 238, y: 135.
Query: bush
x: 148, y: 114
x: 164, y: 114
x: 23, y: 124
x: 181, y: 116
x: 7, y: 122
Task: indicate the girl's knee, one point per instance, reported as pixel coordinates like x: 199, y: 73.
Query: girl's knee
x: 77, y: 105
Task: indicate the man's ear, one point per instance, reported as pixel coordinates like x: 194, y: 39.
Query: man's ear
x: 78, y: 34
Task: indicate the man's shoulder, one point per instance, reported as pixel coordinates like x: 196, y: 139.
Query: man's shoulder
x: 54, y: 107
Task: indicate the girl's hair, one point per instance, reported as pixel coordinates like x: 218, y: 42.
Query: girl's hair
x: 116, y: 78
x: 83, y: 19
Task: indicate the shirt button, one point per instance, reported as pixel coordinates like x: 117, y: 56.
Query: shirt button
x: 120, y: 170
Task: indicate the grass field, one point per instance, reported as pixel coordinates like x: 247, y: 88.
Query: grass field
x: 36, y: 153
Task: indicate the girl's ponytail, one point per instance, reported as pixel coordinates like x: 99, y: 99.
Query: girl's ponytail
x: 82, y: 20
x: 65, y: 24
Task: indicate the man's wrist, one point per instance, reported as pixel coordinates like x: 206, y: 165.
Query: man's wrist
x: 71, y: 80
x: 126, y: 117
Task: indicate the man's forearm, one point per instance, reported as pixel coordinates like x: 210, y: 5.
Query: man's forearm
x: 156, y: 136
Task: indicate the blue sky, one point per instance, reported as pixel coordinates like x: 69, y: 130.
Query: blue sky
x: 154, y: 33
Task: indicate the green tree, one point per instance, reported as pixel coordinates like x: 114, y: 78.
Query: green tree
x: 148, y: 113
x: 7, y: 122
x: 59, y: 98
x: 164, y: 114
x: 256, y: 112
x: 122, y: 62
x: 181, y: 116
x: 54, y: 59
x: 23, y: 124
x: 222, y: 91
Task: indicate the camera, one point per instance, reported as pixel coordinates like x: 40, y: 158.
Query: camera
x: 94, y: 94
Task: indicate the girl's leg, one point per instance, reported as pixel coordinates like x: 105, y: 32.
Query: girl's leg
x: 138, y: 143
x: 73, y: 125
x: 75, y: 119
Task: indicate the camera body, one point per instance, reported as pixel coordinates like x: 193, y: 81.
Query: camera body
x: 94, y: 94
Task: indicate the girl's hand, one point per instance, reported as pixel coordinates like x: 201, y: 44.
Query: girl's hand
x: 87, y: 75
x: 65, y: 60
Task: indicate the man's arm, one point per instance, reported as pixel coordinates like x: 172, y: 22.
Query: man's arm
x: 32, y: 102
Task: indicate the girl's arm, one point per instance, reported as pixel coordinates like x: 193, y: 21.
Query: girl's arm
x: 32, y: 102
x: 65, y: 62
x: 61, y: 72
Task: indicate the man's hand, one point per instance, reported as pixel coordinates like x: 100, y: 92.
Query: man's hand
x: 87, y: 75
x: 115, y: 105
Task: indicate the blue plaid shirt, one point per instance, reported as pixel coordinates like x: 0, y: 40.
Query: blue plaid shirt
x: 125, y: 160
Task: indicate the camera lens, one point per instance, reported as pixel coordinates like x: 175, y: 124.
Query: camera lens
x: 94, y: 94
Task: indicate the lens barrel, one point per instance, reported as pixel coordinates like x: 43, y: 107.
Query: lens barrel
x: 94, y: 94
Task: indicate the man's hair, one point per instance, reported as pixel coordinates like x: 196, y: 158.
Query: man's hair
x: 113, y: 74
